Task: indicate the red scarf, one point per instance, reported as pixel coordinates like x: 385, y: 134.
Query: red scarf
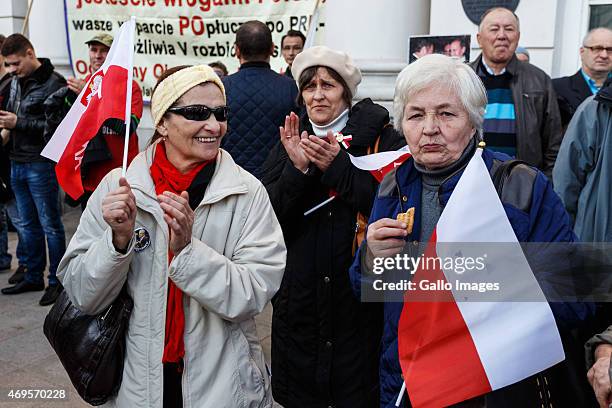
x: 167, y: 178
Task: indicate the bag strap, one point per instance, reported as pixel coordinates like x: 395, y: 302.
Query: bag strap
x: 502, y: 173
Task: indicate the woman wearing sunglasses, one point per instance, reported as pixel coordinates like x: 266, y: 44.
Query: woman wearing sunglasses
x: 324, y: 340
x: 195, y: 240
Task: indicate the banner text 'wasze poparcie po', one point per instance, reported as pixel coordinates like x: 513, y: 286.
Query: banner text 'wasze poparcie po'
x: 179, y: 32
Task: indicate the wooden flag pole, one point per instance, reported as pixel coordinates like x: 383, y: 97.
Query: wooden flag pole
x: 27, y: 17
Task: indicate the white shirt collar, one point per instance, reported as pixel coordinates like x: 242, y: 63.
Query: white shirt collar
x: 490, y: 70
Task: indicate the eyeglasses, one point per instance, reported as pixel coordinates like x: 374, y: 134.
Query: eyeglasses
x: 201, y: 112
x: 598, y: 49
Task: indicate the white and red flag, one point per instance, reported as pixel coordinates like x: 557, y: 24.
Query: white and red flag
x: 452, y: 350
x: 106, y: 95
x: 378, y: 164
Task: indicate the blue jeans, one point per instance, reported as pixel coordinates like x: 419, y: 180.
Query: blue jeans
x: 10, y: 209
x: 36, y: 191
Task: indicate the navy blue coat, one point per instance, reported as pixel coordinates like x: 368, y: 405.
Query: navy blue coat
x: 540, y: 218
x: 258, y: 100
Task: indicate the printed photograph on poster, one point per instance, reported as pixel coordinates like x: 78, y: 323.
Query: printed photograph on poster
x: 451, y: 45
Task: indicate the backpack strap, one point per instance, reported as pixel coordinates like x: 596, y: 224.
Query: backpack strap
x: 502, y: 173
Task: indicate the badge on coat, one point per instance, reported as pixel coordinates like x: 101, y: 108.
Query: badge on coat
x: 143, y: 240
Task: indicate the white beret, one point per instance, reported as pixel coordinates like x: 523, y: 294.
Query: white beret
x: 326, y: 57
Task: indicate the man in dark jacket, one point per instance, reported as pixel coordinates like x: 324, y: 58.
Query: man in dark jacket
x: 258, y: 99
x: 522, y: 117
x: 596, y: 57
x: 8, y: 205
x: 582, y: 172
x: 292, y: 44
x: 32, y: 176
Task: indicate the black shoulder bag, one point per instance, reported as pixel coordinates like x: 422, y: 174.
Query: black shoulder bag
x: 91, y: 348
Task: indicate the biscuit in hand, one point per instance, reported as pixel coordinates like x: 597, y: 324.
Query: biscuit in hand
x: 407, y: 218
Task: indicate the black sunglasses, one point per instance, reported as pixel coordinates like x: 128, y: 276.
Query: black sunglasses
x: 201, y: 112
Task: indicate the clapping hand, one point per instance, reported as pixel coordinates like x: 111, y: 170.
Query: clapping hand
x: 290, y: 138
x: 319, y: 151
x: 179, y: 216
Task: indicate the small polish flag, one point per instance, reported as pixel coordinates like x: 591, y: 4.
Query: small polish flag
x: 451, y: 351
x: 106, y: 95
x: 378, y: 164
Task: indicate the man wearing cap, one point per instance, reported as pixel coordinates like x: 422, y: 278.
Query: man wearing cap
x: 105, y: 151
x: 258, y: 99
x: 596, y: 58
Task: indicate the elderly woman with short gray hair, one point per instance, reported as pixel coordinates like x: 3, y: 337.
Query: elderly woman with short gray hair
x: 439, y: 107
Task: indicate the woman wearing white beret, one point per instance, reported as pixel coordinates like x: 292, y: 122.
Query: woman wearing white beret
x: 324, y: 340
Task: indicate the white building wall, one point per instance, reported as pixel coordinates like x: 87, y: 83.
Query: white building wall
x: 538, y: 21
x: 376, y: 38
x: 48, y: 33
x: 12, y: 14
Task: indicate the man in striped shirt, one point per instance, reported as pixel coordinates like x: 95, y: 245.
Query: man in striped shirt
x: 522, y: 117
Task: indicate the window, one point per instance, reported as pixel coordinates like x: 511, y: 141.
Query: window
x: 600, y: 16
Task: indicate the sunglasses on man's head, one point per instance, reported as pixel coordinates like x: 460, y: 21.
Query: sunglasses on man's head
x: 201, y: 112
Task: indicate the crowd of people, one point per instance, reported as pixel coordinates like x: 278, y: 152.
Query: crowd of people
x: 222, y: 212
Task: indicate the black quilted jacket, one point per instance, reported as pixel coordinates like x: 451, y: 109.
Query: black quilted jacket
x: 258, y: 99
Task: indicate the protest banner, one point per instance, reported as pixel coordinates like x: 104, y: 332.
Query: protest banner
x: 179, y: 32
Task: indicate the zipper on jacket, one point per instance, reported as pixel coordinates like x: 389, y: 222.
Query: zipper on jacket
x: 184, y: 380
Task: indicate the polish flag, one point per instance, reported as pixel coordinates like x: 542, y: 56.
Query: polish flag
x: 379, y: 164
x: 452, y: 350
x: 106, y: 95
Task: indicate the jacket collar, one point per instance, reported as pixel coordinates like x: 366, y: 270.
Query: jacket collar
x: 227, y: 180
x: 579, y: 85
x: 255, y: 64
x: 513, y: 66
x: 42, y: 73
x: 605, y: 95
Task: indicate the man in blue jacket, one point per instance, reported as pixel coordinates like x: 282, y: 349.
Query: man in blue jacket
x: 258, y: 99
